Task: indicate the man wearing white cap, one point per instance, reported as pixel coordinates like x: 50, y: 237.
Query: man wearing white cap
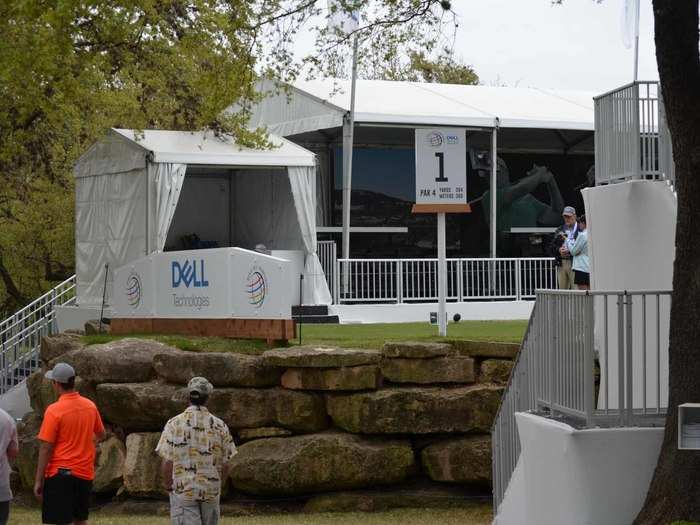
x: 566, y: 232
x: 66, y: 464
x: 196, y: 448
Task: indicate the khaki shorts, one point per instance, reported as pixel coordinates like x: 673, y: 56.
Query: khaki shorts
x: 184, y: 512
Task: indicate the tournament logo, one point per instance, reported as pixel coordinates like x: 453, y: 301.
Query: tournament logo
x: 133, y: 290
x: 256, y: 287
x: 435, y: 139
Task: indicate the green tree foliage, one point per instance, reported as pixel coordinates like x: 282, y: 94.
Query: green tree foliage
x: 69, y: 70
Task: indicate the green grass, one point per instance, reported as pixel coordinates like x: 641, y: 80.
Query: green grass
x: 477, y: 515
x: 345, y: 335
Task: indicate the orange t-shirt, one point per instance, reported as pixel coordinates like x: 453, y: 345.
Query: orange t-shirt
x: 71, y: 424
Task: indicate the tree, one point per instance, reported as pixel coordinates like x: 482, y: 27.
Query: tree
x: 673, y: 494
x: 69, y: 70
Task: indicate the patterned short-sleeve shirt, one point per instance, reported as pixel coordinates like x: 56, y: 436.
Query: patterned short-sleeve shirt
x: 198, y: 444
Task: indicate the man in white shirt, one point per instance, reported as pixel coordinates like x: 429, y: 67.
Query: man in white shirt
x: 8, y: 451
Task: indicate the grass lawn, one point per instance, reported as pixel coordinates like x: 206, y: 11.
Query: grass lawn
x: 477, y: 515
x: 348, y: 335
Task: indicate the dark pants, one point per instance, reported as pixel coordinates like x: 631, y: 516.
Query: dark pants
x: 65, y: 499
x: 4, y: 512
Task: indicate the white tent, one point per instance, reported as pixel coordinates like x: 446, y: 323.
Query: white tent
x: 131, y: 184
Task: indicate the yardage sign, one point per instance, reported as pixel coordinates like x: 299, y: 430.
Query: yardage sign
x: 441, y: 166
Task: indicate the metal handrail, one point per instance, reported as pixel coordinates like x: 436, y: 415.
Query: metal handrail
x: 21, y: 333
x: 625, y: 331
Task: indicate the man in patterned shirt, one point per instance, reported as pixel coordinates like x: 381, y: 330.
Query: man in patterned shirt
x: 196, y: 448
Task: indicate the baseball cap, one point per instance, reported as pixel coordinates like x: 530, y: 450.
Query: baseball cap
x: 569, y: 210
x: 200, y: 385
x: 61, y: 372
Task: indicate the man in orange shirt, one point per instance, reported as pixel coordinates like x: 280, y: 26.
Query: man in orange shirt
x: 66, y: 465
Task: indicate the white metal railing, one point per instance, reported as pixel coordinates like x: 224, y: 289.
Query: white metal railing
x: 631, y: 135
x: 21, y: 333
x: 415, y: 280
x: 625, y: 332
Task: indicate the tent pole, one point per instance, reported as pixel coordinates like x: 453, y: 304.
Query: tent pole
x: 348, y: 140
x: 494, y: 187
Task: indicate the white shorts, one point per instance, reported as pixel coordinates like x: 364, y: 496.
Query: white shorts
x: 184, y: 512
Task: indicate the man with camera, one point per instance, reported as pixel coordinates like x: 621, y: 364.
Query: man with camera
x: 558, y: 249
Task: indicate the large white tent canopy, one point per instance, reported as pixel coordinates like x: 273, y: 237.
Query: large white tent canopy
x: 131, y: 184
x: 322, y: 104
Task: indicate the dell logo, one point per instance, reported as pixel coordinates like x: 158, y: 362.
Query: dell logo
x: 189, y: 274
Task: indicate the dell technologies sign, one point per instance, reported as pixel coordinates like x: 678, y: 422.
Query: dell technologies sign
x: 189, y: 273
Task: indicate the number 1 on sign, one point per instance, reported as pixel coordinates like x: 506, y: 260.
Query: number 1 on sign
x: 441, y: 161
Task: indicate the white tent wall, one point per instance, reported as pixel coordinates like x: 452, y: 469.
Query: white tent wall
x: 166, y: 179
x: 110, y: 213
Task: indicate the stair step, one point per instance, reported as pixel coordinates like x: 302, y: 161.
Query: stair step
x: 312, y: 309
x: 318, y: 319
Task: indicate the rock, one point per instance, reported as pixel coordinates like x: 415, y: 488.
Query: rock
x: 416, y: 495
x: 320, y: 357
x: 495, y: 371
x: 41, y: 393
x: 416, y: 410
x: 319, y: 462
x: 455, y: 369
x: 252, y: 407
x: 249, y: 434
x: 486, y: 349
x: 54, y: 346
x: 411, y: 350
x: 95, y: 327
x: 220, y: 368
x: 25, y: 464
x: 121, y: 361
x: 361, y: 377
x: 139, y: 406
x: 109, y: 470
x: 459, y: 460
x: 147, y: 406
x: 142, y: 473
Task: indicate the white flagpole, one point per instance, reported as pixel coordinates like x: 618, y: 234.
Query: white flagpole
x: 348, y: 140
x: 636, y: 39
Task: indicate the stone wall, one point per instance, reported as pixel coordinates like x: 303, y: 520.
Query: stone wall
x: 306, y: 420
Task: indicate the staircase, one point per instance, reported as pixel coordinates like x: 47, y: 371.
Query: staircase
x: 313, y: 314
x: 21, y: 334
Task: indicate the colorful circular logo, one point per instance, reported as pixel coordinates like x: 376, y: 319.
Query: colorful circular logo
x: 133, y: 290
x: 256, y: 287
x: 435, y: 139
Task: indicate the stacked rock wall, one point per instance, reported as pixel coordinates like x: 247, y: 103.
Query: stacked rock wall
x: 306, y: 420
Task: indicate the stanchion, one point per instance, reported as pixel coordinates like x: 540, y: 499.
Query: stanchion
x: 301, y: 303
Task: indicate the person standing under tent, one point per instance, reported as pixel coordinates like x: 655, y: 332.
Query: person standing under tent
x: 10, y: 449
x: 578, y: 248
x: 196, y: 448
x: 567, y: 231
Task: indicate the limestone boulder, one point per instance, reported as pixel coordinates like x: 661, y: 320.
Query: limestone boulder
x: 249, y: 434
x: 456, y: 369
x: 320, y: 357
x: 41, y: 393
x: 416, y: 410
x: 459, y: 460
x: 318, y: 463
x: 220, y: 368
x: 109, y: 469
x: 411, y: 350
x: 495, y: 371
x: 486, y: 349
x: 95, y: 327
x: 54, y: 346
x: 140, y: 406
x: 363, y: 377
x: 262, y: 407
x: 25, y: 464
x: 142, y: 472
x: 121, y: 361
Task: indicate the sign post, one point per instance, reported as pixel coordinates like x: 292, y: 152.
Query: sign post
x: 441, y: 187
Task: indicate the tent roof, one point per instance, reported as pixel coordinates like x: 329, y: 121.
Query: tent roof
x: 324, y: 101
x: 204, y: 148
